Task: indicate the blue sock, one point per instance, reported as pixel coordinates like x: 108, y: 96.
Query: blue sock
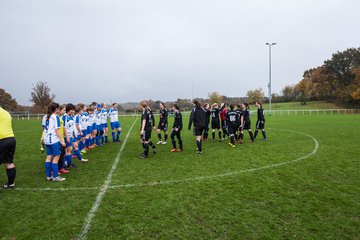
x: 55, y: 169
x: 97, y: 140
x: 48, y: 169
x: 86, y: 142
x: 69, y: 160
x: 118, y: 136
x: 113, y: 136
x: 78, y: 154
x: 106, y: 139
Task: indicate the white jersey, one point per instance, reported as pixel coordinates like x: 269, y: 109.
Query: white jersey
x: 50, y: 126
x: 98, y: 117
x: 77, y: 123
x: 91, y: 120
x: 104, y: 115
x: 113, y: 115
x: 43, y: 121
x: 69, y: 125
x: 84, y: 118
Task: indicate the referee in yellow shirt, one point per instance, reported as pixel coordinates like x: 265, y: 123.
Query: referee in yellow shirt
x: 7, y: 147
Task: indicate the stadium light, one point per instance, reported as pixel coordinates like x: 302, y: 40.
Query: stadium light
x: 270, y: 44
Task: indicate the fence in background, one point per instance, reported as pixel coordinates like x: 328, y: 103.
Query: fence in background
x: 28, y: 116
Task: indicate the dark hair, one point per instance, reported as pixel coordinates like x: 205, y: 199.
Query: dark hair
x: 51, y: 109
x: 90, y: 109
x: 114, y: 104
x: 69, y: 107
x: 144, y: 103
x: 162, y: 103
x: 260, y: 103
x: 206, y: 104
x: 176, y: 107
x: 80, y: 105
x: 197, y: 103
x: 239, y: 105
x: 247, y: 105
x: 77, y: 109
x: 232, y: 106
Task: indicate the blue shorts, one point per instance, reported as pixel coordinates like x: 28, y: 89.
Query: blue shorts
x: 94, y: 126
x: 90, y: 129
x: 53, y: 149
x: 104, y: 125
x: 99, y: 128
x: 70, y: 144
x: 115, y: 125
x: 85, y: 132
x: 78, y: 138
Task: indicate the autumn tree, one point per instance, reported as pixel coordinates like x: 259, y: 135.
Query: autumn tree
x: 215, y: 97
x: 6, y: 101
x: 41, y: 96
x: 255, y: 95
x: 288, y: 93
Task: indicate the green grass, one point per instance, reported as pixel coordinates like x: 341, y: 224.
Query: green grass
x: 299, y: 106
x: 317, y: 198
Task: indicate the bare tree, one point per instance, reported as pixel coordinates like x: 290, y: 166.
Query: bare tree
x: 41, y: 96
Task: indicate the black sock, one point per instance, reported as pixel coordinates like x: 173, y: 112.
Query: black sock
x: 256, y: 133
x: 241, y: 136
x: 213, y: 135
x: 159, y: 136
x: 152, y: 145
x: 251, y: 136
x: 180, y: 143
x: 219, y: 135
x: 11, y: 174
x: 173, y: 143
x: 263, y: 133
x: 232, y: 138
x: 236, y: 136
x: 165, y: 137
x: 146, y: 149
x: 198, y: 142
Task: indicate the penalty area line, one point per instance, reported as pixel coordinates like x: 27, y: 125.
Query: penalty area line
x: 103, y: 190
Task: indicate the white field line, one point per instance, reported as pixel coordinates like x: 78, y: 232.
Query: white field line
x: 198, y: 178
x: 103, y: 189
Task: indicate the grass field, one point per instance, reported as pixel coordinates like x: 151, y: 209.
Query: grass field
x: 285, y: 188
x: 299, y: 106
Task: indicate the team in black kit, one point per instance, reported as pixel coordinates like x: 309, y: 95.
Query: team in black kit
x: 228, y: 122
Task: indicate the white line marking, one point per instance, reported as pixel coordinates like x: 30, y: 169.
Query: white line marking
x: 103, y: 190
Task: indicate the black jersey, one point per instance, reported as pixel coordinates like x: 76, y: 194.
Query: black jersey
x: 148, y: 117
x: 207, y: 116
x: 260, y: 114
x: 164, y: 116
x: 215, y: 114
x: 246, y: 115
x: 232, y: 118
x: 178, y: 120
x: 197, y: 117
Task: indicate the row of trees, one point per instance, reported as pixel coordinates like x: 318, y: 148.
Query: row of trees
x: 337, y: 80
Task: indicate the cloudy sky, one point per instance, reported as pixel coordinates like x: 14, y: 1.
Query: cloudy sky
x: 117, y: 50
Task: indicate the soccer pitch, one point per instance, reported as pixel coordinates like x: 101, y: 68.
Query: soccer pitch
x: 303, y: 183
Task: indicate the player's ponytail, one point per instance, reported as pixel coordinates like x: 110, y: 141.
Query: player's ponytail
x: 197, y: 103
x: 177, y: 107
x: 51, y: 109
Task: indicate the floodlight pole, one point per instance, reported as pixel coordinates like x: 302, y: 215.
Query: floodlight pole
x: 270, y: 44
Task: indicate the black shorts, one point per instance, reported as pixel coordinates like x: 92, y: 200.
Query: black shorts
x: 232, y: 129
x: 147, y: 135
x: 7, y: 150
x: 223, y: 124
x: 163, y: 127
x: 215, y: 125
x: 260, y: 125
x: 247, y: 126
x: 198, y: 131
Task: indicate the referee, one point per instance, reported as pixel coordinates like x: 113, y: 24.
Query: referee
x: 7, y: 147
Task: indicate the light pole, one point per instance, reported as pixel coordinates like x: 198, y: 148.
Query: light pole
x: 270, y: 44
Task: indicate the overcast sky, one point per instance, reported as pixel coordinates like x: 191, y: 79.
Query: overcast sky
x: 120, y: 51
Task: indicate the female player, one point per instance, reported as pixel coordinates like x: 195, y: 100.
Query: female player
x: 163, y: 123
x: 215, y: 121
x: 176, y: 131
x: 207, y: 121
x: 223, y: 112
x: 239, y: 134
x: 61, y: 162
x: 232, y: 120
x: 260, y: 123
x: 7, y: 147
x: 247, y: 121
x: 90, y: 128
x: 104, y: 116
x: 146, y: 128
x: 197, y: 117
x: 114, y: 123
x: 53, y: 143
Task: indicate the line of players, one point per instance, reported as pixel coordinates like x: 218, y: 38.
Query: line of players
x: 228, y: 122
x: 69, y: 131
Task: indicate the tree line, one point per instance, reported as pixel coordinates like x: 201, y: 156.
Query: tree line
x: 337, y: 80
